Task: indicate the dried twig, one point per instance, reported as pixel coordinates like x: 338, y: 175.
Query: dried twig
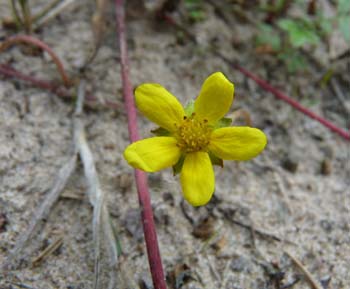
x: 313, y: 283
x: 38, y: 43
x: 98, y: 28
x: 21, y: 285
x: 49, y: 250
x: 257, y: 232
x: 291, y: 284
x: 340, y: 95
x: 149, y: 230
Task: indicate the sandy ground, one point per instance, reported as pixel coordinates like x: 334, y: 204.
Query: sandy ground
x: 285, y: 192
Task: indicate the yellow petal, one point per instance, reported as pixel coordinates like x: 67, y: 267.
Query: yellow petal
x: 237, y: 143
x: 159, y: 105
x: 215, y: 98
x: 197, y: 178
x: 153, y: 154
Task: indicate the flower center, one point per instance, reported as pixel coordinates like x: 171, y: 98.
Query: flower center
x: 193, y: 134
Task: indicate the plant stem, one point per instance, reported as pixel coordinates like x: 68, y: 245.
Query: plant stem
x: 279, y: 94
x: 59, y: 90
x: 149, y: 230
x: 38, y: 43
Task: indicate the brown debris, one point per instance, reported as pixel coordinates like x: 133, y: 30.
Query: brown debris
x: 3, y: 222
x: 204, y: 229
x: 326, y: 167
x: 180, y: 275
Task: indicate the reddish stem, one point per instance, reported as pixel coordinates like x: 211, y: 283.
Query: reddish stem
x: 38, y: 43
x: 149, y: 230
x: 279, y: 94
x: 61, y: 91
x: 8, y: 71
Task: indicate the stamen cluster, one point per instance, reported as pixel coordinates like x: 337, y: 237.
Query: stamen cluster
x: 193, y: 134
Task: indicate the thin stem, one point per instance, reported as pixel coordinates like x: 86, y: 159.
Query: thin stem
x: 279, y: 94
x: 61, y: 91
x: 150, y: 234
x: 38, y: 43
x: 8, y: 71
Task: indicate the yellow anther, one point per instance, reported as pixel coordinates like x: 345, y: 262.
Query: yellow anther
x: 193, y: 134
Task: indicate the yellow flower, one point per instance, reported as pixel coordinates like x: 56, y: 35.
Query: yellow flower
x: 192, y: 139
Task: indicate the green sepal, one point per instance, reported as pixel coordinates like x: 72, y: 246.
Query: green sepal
x: 160, y: 132
x: 189, y: 108
x: 215, y: 161
x: 178, y: 166
x: 224, y: 122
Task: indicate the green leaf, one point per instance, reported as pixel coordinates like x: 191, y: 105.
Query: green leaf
x: 326, y: 25
x: 178, y: 166
x: 189, y: 108
x: 301, y: 32
x: 344, y: 27
x: 343, y: 6
x: 215, y: 161
x: 197, y: 15
x: 160, y: 132
x: 267, y: 35
x: 294, y: 60
x: 224, y: 122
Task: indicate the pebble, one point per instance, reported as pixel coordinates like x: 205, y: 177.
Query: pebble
x: 240, y: 264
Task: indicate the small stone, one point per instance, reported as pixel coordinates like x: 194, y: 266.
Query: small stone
x: 161, y: 215
x: 325, y: 281
x: 145, y: 282
x: 204, y: 229
x: 125, y: 181
x: 240, y: 264
x: 326, y: 225
x: 3, y: 222
x: 290, y: 164
x: 169, y: 198
x: 133, y: 224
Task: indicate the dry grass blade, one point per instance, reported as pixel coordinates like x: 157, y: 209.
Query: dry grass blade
x: 51, y: 13
x: 96, y: 195
x: 62, y: 178
x: 313, y: 283
x: 15, y: 13
x: 98, y: 27
x: 45, y: 10
x: 110, y: 238
x: 49, y: 250
x: 26, y: 13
